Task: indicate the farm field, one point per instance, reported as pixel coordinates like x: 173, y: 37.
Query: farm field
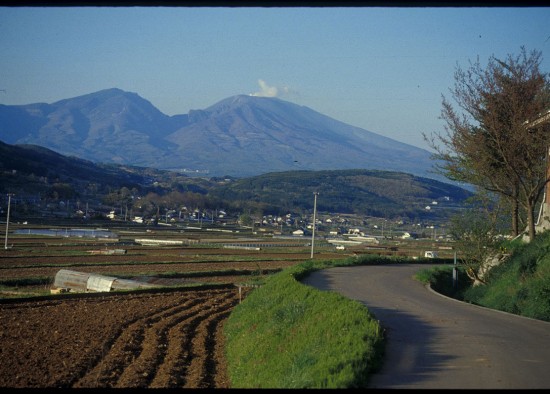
x: 145, y: 339
x: 164, y: 337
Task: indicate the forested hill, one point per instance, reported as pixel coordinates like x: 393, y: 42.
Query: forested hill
x: 33, y: 171
x: 369, y: 192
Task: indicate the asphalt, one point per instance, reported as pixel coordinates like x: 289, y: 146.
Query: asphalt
x: 435, y: 342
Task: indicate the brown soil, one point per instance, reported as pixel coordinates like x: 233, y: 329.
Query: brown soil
x: 171, y: 338
x: 21, y: 263
x: 153, y: 339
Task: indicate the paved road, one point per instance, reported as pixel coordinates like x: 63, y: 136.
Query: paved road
x: 436, y: 342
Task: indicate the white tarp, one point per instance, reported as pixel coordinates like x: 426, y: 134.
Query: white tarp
x: 99, y: 283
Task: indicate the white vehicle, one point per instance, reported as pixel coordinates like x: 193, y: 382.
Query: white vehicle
x: 430, y: 254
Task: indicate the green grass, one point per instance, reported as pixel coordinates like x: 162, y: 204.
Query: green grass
x: 289, y: 335
x: 440, y: 279
x: 25, y: 287
x: 520, y: 285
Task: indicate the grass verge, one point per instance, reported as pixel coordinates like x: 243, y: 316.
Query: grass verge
x: 289, y: 335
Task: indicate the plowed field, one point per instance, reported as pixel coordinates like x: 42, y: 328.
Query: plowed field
x: 157, y: 338
x: 146, y: 339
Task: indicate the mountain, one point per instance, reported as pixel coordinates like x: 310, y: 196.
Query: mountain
x: 110, y: 126
x: 239, y: 136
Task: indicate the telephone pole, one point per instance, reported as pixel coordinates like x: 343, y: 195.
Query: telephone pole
x: 313, y: 229
x: 7, y: 221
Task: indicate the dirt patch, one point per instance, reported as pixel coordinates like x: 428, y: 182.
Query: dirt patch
x: 153, y: 339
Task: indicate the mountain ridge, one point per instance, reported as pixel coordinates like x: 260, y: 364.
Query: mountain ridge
x: 38, y: 177
x: 239, y: 136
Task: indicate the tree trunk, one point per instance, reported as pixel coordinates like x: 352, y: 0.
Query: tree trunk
x: 531, y: 220
x: 515, y: 218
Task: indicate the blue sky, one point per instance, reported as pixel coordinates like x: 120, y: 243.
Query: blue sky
x: 383, y: 69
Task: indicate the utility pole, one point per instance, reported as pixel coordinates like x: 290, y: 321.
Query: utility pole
x: 313, y: 230
x: 7, y: 221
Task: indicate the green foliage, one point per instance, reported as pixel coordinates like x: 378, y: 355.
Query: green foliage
x: 441, y: 280
x: 38, y: 281
x: 371, y: 192
x: 521, y: 285
x: 513, y: 245
x: 25, y: 287
x: 246, y: 220
x: 288, y: 335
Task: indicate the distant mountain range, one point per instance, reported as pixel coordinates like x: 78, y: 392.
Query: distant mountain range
x: 239, y: 136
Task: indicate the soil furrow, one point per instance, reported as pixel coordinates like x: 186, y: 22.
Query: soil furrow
x: 144, y: 367
x: 174, y: 370
x: 202, y: 346
x: 127, y: 345
x: 211, y: 365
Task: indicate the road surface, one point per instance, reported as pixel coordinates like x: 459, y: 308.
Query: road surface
x: 437, y: 342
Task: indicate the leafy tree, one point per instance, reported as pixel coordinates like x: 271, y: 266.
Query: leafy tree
x: 246, y: 220
x: 487, y: 143
x: 122, y: 198
x: 61, y: 191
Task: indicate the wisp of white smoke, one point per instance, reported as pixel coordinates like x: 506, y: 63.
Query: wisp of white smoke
x: 265, y: 90
x: 273, y: 91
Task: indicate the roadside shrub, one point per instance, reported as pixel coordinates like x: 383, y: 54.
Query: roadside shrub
x: 441, y: 280
x: 538, y: 296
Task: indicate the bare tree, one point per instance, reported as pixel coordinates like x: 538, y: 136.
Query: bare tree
x: 487, y: 142
x: 476, y: 233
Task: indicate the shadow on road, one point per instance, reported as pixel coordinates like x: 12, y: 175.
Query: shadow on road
x: 411, y: 353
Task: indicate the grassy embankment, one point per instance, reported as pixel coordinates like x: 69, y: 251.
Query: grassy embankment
x: 288, y: 335
x: 521, y: 285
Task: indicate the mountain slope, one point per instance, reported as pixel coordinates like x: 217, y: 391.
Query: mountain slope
x: 109, y: 126
x: 369, y: 192
x: 275, y: 135
x: 32, y: 169
x: 239, y: 136
x: 36, y: 173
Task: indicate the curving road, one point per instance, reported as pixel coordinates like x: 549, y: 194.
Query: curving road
x: 437, y: 342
